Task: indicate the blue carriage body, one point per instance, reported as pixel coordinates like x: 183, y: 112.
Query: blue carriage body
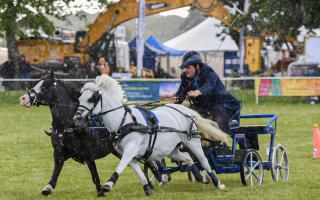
x: 225, y: 159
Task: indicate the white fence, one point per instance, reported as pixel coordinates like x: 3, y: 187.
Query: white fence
x: 263, y: 86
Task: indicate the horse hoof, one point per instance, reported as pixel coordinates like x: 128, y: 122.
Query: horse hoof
x: 221, y: 186
x: 206, y: 179
x: 106, y: 188
x: 151, y: 186
x: 46, y: 190
x: 147, y: 190
x: 101, y: 193
x: 166, y: 178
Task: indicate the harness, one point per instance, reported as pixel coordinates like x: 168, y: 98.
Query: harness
x: 152, y: 128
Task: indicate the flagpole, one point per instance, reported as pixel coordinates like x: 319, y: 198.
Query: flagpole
x: 140, y: 39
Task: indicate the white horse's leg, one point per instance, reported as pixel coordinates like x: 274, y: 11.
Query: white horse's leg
x: 146, y: 187
x: 195, y: 147
x: 130, y: 150
x: 185, y: 157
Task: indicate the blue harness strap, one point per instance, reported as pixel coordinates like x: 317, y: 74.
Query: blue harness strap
x: 152, y: 122
x: 144, y: 114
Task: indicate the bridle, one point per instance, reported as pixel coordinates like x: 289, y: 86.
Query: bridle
x: 97, y: 98
x: 35, y: 97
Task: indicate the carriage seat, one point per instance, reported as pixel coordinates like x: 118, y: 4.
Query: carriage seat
x: 252, y: 129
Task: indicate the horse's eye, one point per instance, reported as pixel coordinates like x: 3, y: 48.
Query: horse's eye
x: 90, y: 100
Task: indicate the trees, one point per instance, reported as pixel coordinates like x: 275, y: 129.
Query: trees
x: 282, y: 17
x: 19, y: 15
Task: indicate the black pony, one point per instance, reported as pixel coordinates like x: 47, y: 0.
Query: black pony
x: 67, y: 141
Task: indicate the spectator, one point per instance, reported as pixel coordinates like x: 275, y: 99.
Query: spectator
x: 92, y: 70
x: 133, y: 70
x: 24, y: 68
x: 103, y: 66
x: 77, y: 72
x: 65, y: 67
x: 173, y: 73
x: 8, y: 71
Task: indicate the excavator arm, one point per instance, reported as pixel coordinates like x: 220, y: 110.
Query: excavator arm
x: 124, y: 10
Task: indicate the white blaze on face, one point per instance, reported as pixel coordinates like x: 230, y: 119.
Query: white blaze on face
x: 25, y: 99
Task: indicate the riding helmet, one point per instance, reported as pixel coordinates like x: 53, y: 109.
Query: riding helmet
x: 190, y: 58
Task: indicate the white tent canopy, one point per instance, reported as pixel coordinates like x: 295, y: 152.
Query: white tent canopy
x: 203, y: 37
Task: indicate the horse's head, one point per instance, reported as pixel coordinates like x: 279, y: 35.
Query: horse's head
x: 91, y: 98
x: 89, y: 105
x: 41, y: 93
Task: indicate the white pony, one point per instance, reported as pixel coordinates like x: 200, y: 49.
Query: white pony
x: 104, y: 98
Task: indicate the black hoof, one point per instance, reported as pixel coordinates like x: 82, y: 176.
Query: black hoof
x: 106, y: 188
x: 147, y: 190
x: 46, y: 192
x: 101, y: 193
x: 169, y: 177
x: 151, y: 186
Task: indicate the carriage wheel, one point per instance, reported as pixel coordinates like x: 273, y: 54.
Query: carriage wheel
x: 251, y: 168
x: 279, y: 164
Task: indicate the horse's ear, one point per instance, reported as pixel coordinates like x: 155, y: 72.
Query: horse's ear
x: 96, y: 96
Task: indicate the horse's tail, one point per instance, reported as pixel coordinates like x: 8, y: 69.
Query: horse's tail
x: 210, y: 129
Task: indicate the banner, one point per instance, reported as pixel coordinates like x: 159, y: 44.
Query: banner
x: 287, y: 87
x: 141, y: 91
x: 149, y: 91
x: 168, y: 89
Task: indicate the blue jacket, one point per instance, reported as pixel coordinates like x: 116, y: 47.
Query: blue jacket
x: 213, y: 91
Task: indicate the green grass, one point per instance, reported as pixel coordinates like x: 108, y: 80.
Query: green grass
x: 26, y: 158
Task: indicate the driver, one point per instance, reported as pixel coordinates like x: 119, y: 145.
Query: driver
x: 206, y: 92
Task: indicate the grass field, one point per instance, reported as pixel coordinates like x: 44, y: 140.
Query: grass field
x: 26, y: 159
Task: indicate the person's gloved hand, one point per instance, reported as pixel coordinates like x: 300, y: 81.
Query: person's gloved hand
x: 194, y: 93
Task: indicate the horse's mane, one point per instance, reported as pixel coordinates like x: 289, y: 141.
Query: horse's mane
x: 107, y: 84
x: 73, y: 93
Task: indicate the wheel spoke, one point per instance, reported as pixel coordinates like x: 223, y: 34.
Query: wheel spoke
x: 248, y: 169
x: 281, y: 158
x: 249, y: 174
x: 256, y: 176
x: 258, y: 162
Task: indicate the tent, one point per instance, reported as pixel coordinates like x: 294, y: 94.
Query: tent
x: 153, y: 42
x: 203, y: 37
x: 149, y: 56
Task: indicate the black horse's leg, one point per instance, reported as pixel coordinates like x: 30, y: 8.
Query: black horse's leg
x: 155, y: 171
x: 58, y: 164
x: 95, y: 177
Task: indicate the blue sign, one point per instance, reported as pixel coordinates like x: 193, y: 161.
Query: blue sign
x: 141, y: 91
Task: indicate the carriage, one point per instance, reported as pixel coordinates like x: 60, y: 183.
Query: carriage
x: 242, y: 156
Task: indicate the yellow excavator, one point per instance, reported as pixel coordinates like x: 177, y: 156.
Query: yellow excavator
x: 98, y: 40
